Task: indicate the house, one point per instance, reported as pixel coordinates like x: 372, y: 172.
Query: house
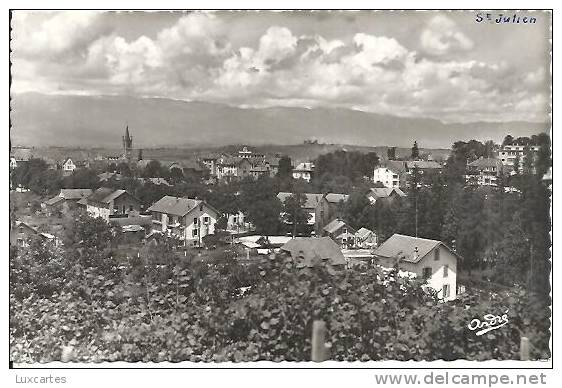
x: 210, y: 161
x: 247, y: 153
x: 107, y: 203
x: 272, y: 164
x: 309, y: 206
x: 484, y: 172
x: 365, y: 238
x: 389, y: 178
x: 309, y: 252
x: 404, y: 169
x: 19, y: 156
x: 106, y: 176
x: 430, y: 260
x: 187, y: 219
x: 68, y: 166
x: 21, y: 232
x: 511, y: 152
x: 67, y: 199
x: 236, y: 223
x: 341, y: 232
x: 155, y: 181
x: 258, y: 171
x: 304, y: 171
x: 229, y: 168
x: 328, y: 208
x: 188, y: 166
x: 384, y: 194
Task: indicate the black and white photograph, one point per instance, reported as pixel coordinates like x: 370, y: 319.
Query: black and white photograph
x: 257, y: 187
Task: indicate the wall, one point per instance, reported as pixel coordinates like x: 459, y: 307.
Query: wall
x: 126, y: 200
x: 202, y: 229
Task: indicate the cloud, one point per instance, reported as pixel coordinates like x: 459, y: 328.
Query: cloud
x: 442, y: 36
x: 195, y: 59
x: 40, y: 34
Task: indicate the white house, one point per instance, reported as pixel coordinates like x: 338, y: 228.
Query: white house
x: 107, y: 203
x: 430, y: 260
x: 510, y: 152
x: 187, y: 219
x: 303, y: 171
x: 68, y: 166
x: 387, y: 177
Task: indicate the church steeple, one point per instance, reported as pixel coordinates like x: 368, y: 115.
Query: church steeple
x: 127, y: 143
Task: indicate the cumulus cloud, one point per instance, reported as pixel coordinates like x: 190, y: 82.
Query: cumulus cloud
x: 195, y: 59
x: 442, y: 36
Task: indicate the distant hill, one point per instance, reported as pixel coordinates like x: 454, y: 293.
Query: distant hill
x: 89, y: 121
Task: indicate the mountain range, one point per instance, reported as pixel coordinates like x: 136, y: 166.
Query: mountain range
x: 90, y: 121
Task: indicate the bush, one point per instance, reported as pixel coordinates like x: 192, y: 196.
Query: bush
x: 228, y: 311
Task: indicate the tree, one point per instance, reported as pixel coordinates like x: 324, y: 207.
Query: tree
x: 294, y: 213
x: 528, y: 160
x: 517, y: 164
x: 81, y: 179
x: 358, y: 210
x: 415, y: 151
x: 507, y: 140
x: 391, y: 153
x: 285, y: 167
x: 124, y: 169
x: 153, y: 169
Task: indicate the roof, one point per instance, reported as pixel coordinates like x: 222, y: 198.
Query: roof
x: 54, y: 200
x: 178, y: 206
x: 336, y: 198
x: 363, y: 233
x: 259, y: 168
x: 408, y: 248
x: 272, y: 161
x: 108, y: 175
x: 312, y: 251
x: 312, y: 200
x: 486, y: 162
x: 305, y: 166
x: 384, y: 192
x: 21, y: 154
x: 334, y: 226
x: 105, y: 195
x: 132, y: 228
x: 395, y: 165
x: 155, y: 181
x: 423, y: 164
x: 75, y: 193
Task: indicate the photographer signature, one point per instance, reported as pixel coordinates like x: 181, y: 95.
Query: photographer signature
x: 490, y: 322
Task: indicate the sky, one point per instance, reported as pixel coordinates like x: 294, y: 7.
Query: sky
x: 436, y: 64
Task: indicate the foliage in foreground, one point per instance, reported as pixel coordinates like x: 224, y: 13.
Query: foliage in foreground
x: 159, y: 308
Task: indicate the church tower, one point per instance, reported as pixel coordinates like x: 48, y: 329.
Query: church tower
x: 127, y: 144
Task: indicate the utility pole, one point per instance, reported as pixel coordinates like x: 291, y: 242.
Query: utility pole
x: 416, y: 201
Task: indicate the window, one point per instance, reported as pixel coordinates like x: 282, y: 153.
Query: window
x: 194, y: 233
x: 427, y: 272
x: 446, y: 270
x: 437, y: 254
x: 195, y: 221
x: 206, y: 220
x: 130, y: 208
x: 446, y: 291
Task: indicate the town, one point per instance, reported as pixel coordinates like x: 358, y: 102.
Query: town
x: 343, y: 210
x: 237, y: 186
